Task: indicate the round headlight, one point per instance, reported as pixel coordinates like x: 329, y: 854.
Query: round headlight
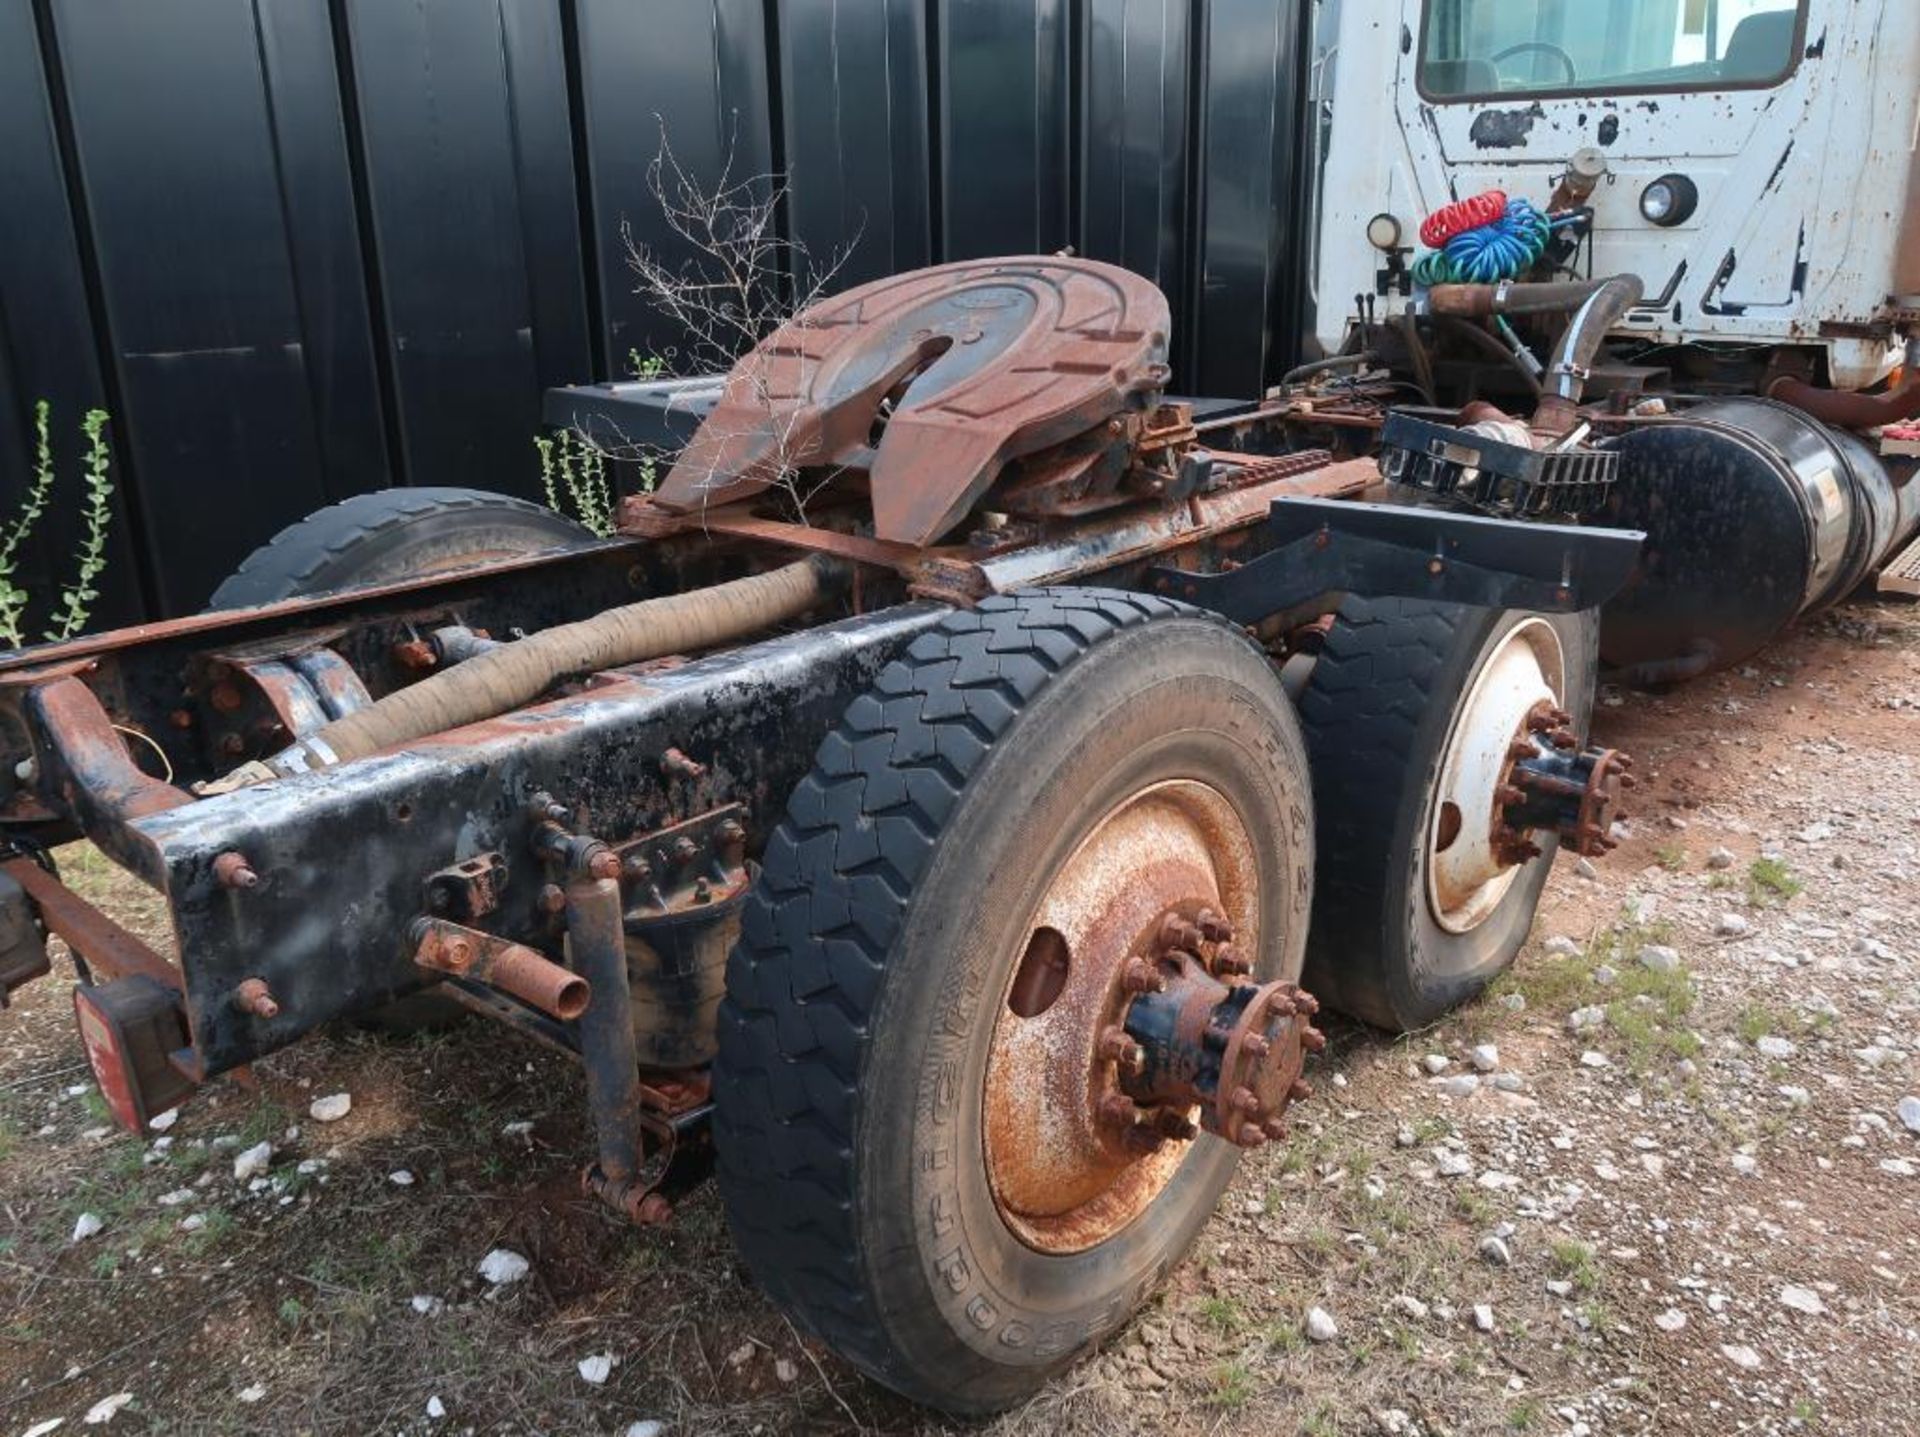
x: 1669, y: 200
x: 1383, y: 233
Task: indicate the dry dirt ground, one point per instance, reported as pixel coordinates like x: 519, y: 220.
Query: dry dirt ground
x: 1682, y: 1200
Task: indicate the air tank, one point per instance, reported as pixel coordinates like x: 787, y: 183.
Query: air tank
x: 1755, y: 514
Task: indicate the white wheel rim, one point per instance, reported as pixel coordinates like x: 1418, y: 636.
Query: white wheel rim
x: 1466, y: 879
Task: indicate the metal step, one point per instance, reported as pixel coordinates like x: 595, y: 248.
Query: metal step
x: 1902, y: 572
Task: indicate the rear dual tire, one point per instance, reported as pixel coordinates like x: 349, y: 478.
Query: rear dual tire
x: 877, y: 958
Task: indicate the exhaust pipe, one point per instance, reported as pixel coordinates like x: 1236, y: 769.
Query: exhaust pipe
x: 1572, y: 362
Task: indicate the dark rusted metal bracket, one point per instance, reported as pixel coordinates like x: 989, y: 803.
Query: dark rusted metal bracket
x: 1411, y: 552
x: 514, y: 969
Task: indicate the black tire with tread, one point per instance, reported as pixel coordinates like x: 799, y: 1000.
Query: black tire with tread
x: 854, y: 1006
x: 1376, y: 713
x: 384, y: 535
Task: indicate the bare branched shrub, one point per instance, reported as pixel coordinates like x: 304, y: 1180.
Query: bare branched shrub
x: 725, y: 278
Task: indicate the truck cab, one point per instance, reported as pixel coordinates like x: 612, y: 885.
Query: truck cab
x: 1752, y: 161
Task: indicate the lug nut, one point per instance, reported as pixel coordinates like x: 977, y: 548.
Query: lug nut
x: 1245, y: 1100
x: 1300, y: 1091
x: 1250, y: 1137
x: 1177, y: 932
x: 1140, y: 976
x: 1213, y: 927
x: 1275, y: 1128
x: 1256, y: 1046
x: 415, y: 654
x: 1312, y: 1039
x: 1306, y: 1003
x: 604, y: 863
x: 676, y: 764
x: 1143, y: 1140
x: 1227, y: 960
x: 1118, y: 1046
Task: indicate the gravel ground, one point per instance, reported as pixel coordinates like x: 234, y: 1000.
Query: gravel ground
x: 1665, y: 1177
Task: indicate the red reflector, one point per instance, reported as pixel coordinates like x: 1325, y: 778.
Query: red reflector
x: 130, y: 1027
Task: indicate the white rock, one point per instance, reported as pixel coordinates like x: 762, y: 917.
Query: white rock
x: 1898, y: 1167
x: 1561, y: 946
x: 1582, y: 1020
x: 521, y: 1129
x: 1436, y: 1063
x: 503, y: 1265
x: 1320, y: 1325
x: 1745, y: 1164
x: 597, y: 1368
x: 1483, y: 1317
x: 436, y: 1409
x: 1771, y: 1045
x: 400, y: 1178
x: 1410, y: 1306
x: 1659, y: 958
x: 193, y: 1222
x: 1591, y: 1059
x: 1720, y: 858
x: 1495, y: 1251
x: 253, y: 1162
x: 1560, y: 1287
x: 1672, y: 1320
x: 1643, y: 908
x: 1606, y: 975
x: 785, y: 1369
x: 1908, y: 1111
x: 255, y: 1393
x: 426, y: 1304
x: 103, y: 1411
x: 1485, y: 1058
x: 87, y: 1225
x: 332, y: 1108
x: 1584, y: 868
x: 160, y: 1122
x: 41, y: 1429
x: 1798, y: 1096
x: 1732, y: 925
x: 178, y: 1197
x: 645, y: 1429
x: 1514, y: 1002
x: 1802, y: 1299
x: 1740, y: 1356
x: 1815, y: 833
x: 1460, y: 1085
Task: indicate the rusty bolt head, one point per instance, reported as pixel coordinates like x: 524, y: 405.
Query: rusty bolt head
x: 653, y: 1210
x: 1177, y: 933
x: 415, y: 654
x: 1250, y: 1136
x: 676, y: 764
x: 1312, y: 1039
x: 180, y: 718
x: 1117, y: 1046
x: 604, y: 863
x: 457, y: 953
x: 685, y: 850
x: 553, y: 898
x: 1275, y: 1128
x: 225, y: 697
x: 1227, y: 959
x: 232, y: 745
x: 636, y: 869
x: 1213, y: 927
x: 1305, y: 1002
x: 253, y: 996
x: 1256, y: 1046
x: 1300, y: 1091
x: 1627, y: 781
x: 1143, y: 1140
x: 231, y: 870
x: 1140, y: 976
x: 1245, y: 1100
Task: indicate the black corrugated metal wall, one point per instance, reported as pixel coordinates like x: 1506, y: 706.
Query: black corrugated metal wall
x: 305, y: 248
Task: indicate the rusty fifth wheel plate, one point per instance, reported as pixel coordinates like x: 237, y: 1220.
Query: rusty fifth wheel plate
x: 1129, y: 1027
x: 955, y: 370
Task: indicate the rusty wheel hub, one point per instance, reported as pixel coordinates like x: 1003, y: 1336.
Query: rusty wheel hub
x: 1552, y: 785
x: 1130, y: 1024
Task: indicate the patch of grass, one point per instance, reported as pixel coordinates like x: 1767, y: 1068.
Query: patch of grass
x: 1223, y: 1315
x: 1406, y: 1340
x: 1524, y: 1415
x: 1323, y: 1421
x: 96, y: 1106
x: 1769, y: 880
x: 292, y: 1311
x: 1283, y: 1337
x: 1807, y: 1412
x: 1575, y: 1262
x: 1670, y: 856
x: 267, y: 1119
x: 1432, y: 1130
x: 218, y: 1225
x: 9, y: 1140
x: 1757, y: 1020
x: 1230, y: 1386
x: 1473, y: 1205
